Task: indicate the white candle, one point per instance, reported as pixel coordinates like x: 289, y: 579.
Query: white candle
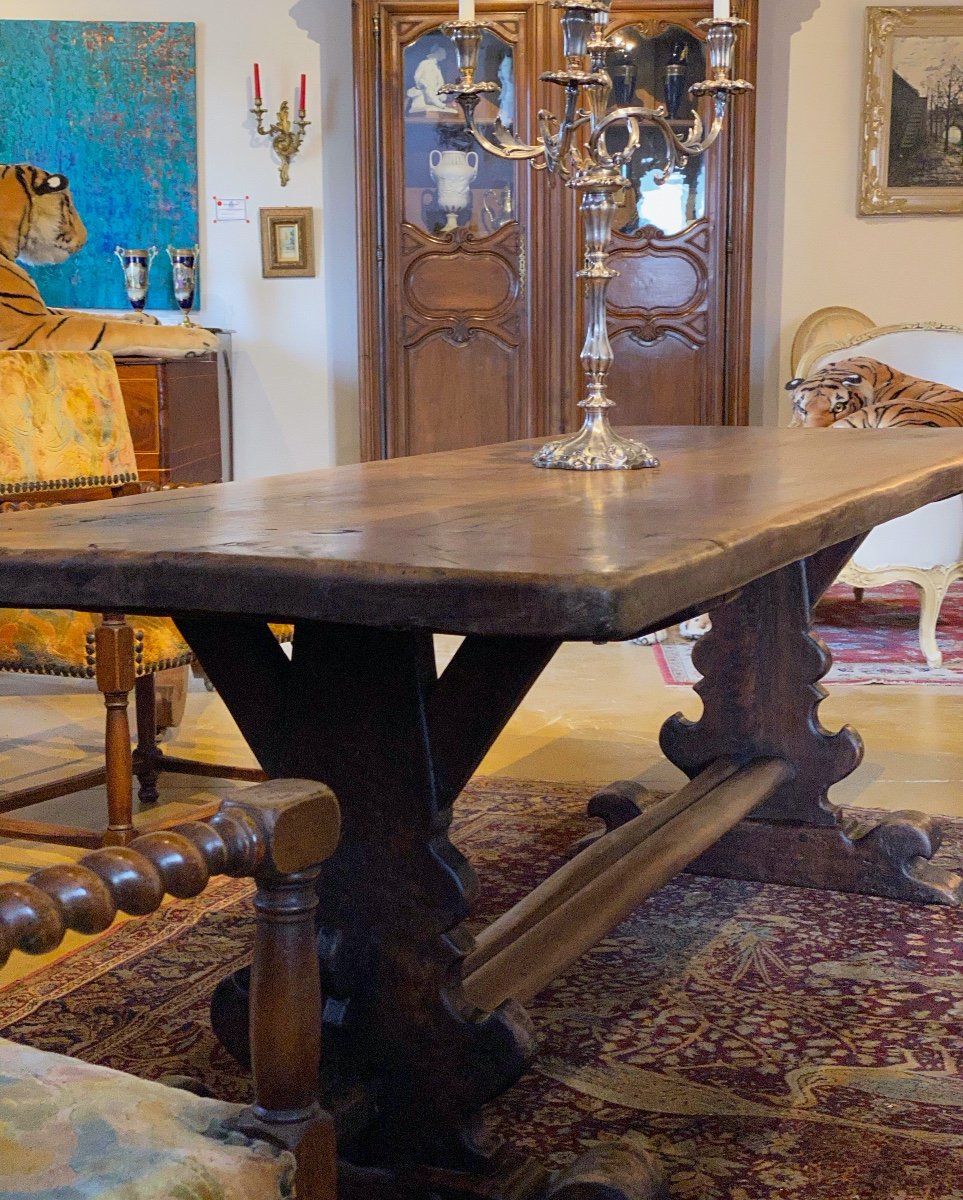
x: 720, y: 10
x: 466, y: 10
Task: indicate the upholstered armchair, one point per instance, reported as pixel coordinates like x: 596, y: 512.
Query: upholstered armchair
x: 64, y: 437
x: 69, y: 1127
x: 924, y: 548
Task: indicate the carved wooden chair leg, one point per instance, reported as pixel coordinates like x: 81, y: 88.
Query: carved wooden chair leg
x: 932, y: 591
x: 147, y: 756
x: 114, y: 642
x: 285, y: 977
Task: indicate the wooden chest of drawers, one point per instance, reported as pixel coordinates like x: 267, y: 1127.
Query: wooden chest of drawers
x: 179, y: 419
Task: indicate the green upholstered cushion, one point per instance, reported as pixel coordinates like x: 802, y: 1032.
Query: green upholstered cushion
x: 71, y: 1130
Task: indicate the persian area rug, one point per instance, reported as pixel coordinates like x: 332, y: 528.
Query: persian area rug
x: 873, y: 641
x: 767, y: 1043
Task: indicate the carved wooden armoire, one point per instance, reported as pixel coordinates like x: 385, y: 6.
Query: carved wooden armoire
x: 471, y: 321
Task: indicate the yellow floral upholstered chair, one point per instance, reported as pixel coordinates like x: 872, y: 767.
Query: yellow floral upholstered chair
x: 71, y: 1128
x: 64, y: 437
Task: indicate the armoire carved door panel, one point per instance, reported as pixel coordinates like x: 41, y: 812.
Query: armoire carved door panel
x: 456, y: 304
x: 664, y: 325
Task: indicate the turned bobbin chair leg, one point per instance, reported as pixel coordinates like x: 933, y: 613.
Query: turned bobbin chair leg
x: 285, y: 1056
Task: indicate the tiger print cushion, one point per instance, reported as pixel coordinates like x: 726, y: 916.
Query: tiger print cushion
x: 843, y: 388
x: 62, y: 422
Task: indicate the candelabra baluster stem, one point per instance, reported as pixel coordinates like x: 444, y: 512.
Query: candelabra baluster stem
x: 598, y: 211
x: 596, y: 446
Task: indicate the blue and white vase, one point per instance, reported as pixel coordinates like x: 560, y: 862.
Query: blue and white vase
x: 185, y: 265
x: 136, y: 264
x: 675, y: 79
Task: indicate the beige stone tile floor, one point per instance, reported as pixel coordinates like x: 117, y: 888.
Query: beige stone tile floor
x: 594, y: 715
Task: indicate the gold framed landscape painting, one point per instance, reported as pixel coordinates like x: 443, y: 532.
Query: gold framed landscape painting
x: 913, y: 111
x: 287, y: 242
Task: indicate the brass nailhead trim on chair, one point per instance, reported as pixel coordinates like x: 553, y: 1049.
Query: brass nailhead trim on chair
x: 90, y: 654
x: 67, y: 673
x: 59, y: 485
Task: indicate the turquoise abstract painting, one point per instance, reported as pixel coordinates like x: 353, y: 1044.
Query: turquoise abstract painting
x: 113, y: 106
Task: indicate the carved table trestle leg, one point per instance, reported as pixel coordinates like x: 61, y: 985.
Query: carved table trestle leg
x: 409, y: 1056
x: 760, y: 695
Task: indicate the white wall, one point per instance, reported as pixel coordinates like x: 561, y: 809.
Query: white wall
x: 295, y: 340
x: 810, y: 248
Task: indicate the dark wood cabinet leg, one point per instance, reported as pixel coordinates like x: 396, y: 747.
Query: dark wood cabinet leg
x: 170, y: 688
x: 761, y: 694
x: 147, y: 755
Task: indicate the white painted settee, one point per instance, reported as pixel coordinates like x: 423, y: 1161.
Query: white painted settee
x: 924, y: 548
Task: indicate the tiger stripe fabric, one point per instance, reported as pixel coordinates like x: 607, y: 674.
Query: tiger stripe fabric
x: 39, y: 224
x: 901, y: 413
x: 845, y: 388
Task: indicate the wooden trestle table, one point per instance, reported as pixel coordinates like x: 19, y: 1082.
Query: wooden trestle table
x: 425, y: 1026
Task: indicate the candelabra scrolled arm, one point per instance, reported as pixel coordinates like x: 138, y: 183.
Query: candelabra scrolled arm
x: 503, y: 143
x: 677, y: 149
x: 555, y: 149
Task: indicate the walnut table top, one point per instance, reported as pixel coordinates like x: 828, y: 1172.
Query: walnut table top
x: 479, y: 541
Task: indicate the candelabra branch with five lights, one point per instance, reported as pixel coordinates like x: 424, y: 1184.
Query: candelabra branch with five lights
x: 574, y: 147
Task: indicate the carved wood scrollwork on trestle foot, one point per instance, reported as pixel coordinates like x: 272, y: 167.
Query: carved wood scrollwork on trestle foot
x: 760, y: 696
x: 761, y: 693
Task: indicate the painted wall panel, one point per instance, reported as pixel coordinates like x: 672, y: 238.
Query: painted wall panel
x: 112, y: 105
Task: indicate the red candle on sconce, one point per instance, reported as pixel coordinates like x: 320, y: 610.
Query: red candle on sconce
x: 257, y: 81
x: 303, y: 87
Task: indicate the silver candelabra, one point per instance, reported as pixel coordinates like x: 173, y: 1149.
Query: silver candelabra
x: 574, y: 148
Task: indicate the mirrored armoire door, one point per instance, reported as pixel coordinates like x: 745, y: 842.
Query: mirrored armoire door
x: 677, y: 312
x: 453, y: 293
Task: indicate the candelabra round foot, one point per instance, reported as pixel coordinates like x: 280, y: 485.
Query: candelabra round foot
x: 596, y: 447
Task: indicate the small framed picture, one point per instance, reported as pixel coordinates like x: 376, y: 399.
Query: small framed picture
x: 287, y: 242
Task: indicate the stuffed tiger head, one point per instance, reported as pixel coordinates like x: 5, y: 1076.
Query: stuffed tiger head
x: 834, y: 391
x: 38, y: 221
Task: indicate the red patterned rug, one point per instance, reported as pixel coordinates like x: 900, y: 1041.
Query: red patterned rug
x: 767, y: 1043
x: 872, y: 641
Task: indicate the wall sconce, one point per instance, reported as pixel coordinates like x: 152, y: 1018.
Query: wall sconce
x: 284, y: 140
